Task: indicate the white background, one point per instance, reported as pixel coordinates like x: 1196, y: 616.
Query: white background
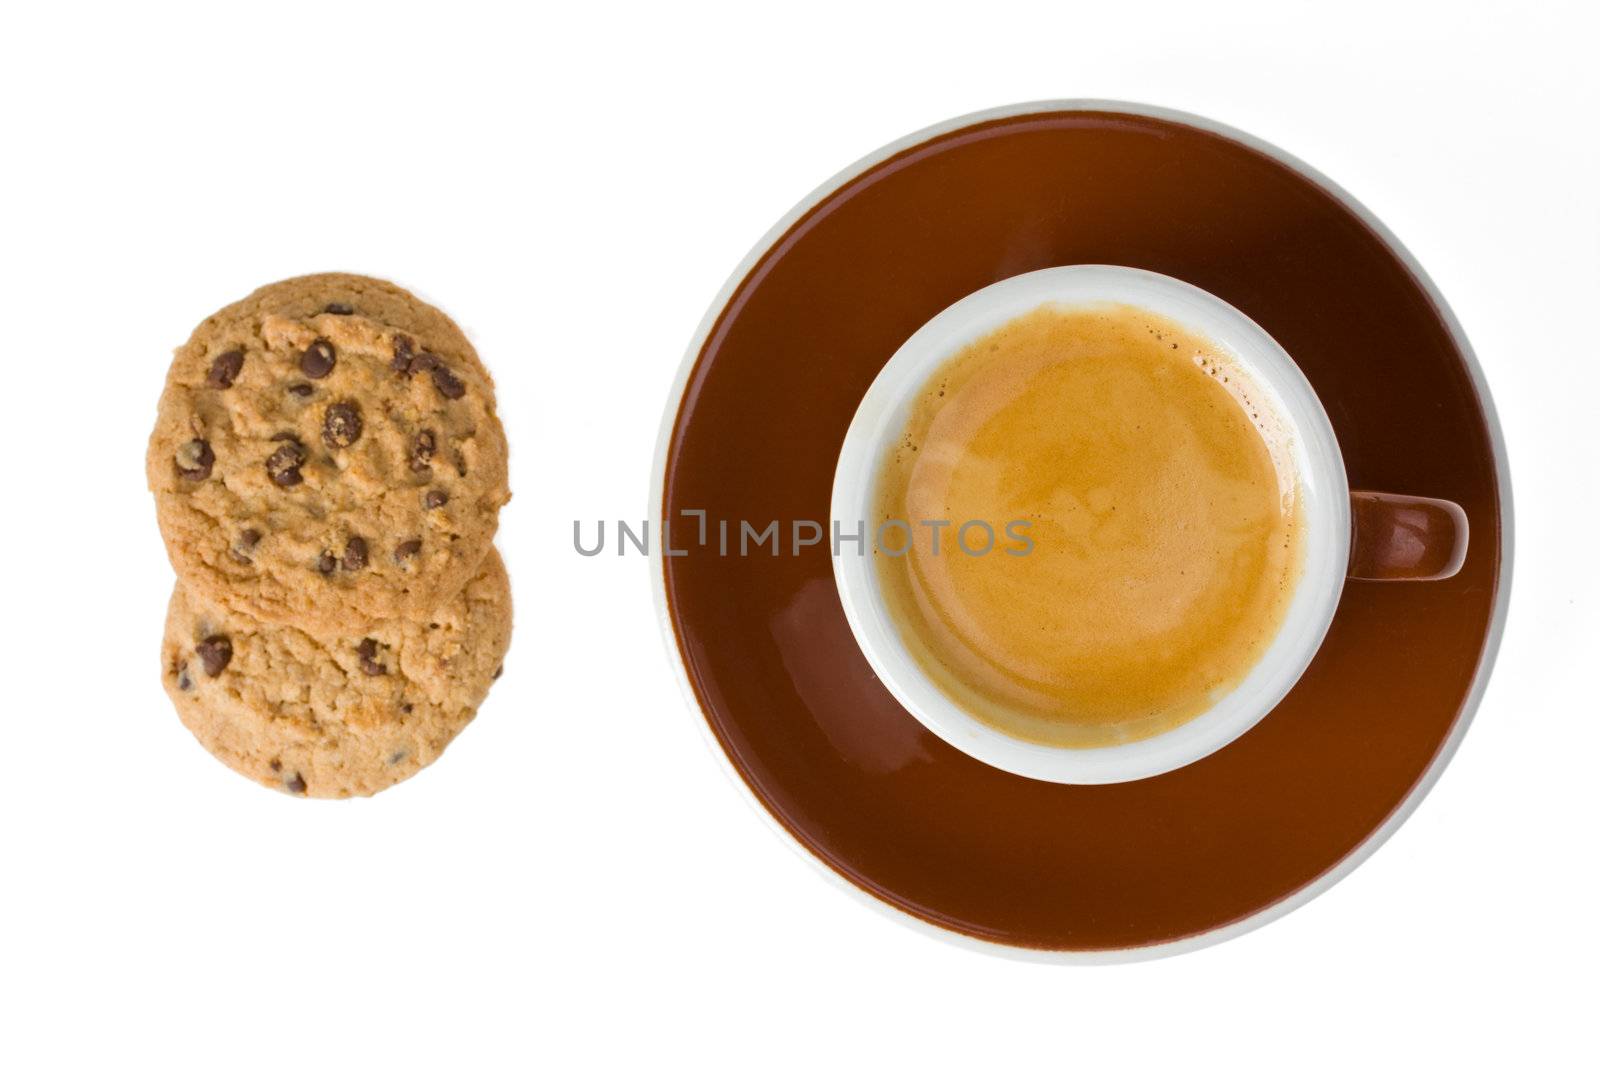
x: 577, y: 880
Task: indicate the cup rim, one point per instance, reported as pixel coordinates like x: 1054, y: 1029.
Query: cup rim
x: 1304, y: 893
x: 1279, y: 383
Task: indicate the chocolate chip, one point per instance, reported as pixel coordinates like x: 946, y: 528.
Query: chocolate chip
x: 425, y: 362
x: 406, y: 549
x: 185, y: 683
x: 214, y: 652
x: 296, y: 785
x: 302, y: 389
x: 338, y: 309
x: 461, y: 464
x: 403, y: 354
x: 355, y: 554
x: 448, y: 384
x: 367, y: 652
x: 498, y: 671
x: 405, y: 709
x: 397, y: 757
x: 225, y: 368
x: 423, y: 446
x: 317, y: 361
x: 276, y: 765
x: 341, y: 425
x: 247, y: 541
x: 193, y: 460
x: 435, y: 498
x: 283, y: 466
x: 326, y: 562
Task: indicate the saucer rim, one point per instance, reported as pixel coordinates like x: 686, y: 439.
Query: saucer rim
x: 1419, y: 789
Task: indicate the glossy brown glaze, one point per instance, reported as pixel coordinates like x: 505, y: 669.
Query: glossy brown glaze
x: 771, y: 659
x: 1396, y: 538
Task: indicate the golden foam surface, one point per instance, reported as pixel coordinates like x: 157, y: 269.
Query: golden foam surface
x: 1160, y: 503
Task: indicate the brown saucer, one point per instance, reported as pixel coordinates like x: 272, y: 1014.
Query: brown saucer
x: 754, y: 430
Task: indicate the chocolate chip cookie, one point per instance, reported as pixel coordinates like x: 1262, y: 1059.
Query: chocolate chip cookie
x: 335, y: 715
x: 327, y: 447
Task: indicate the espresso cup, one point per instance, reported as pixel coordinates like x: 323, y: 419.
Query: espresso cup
x: 1347, y: 535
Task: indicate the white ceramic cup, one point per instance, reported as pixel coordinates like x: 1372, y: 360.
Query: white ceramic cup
x: 1319, y: 466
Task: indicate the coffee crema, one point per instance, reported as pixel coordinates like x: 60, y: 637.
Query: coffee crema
x: 1163, y: 511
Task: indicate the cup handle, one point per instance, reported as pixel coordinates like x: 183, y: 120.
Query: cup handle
x: 1396, y: 538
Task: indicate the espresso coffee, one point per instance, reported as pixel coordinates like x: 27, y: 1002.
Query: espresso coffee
x: 1132, y: 537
